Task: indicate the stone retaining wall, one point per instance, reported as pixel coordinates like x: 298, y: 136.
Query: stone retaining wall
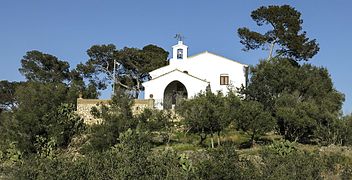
x: 84, y: 107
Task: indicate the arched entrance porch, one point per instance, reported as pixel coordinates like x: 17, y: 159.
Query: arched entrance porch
x: 173, y: 92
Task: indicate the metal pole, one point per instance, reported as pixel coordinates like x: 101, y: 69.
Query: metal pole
x: 114, y: 79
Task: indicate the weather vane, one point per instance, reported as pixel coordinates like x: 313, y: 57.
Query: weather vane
x: 179, y: 37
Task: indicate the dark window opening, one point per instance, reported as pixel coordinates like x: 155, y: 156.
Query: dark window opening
x: 179, y: 53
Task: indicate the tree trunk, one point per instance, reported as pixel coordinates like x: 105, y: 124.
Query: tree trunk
x: 138, y: 88
x: 219, y: 139
x: 168, y: 139
x: 212, y: 141
x: 202, y: 138
x: 271, y: 49
x: 252, y: 139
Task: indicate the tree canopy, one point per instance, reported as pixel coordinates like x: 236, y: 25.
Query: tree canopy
x: 252, y: 117
x: 46, y: 68
x: 299, y: 96
x: 132, y: 66
x: 202, y: 114
x: 286, y: 32
x: 7, y: 95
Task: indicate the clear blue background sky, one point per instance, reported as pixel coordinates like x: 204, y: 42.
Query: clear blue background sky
x: 67, y: 28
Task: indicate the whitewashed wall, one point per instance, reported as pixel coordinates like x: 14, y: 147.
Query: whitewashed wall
x: 206, y: 66
x: 157, y: 86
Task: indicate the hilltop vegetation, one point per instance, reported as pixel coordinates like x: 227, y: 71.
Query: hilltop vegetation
x: 152, y: 146
x: 216, y: 136
x: 286, y: 124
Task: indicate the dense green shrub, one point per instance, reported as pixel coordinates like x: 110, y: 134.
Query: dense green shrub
x: 158, y: 122
x: 130, y: 159
x: 304, y: 165
x: 302, y: 98
x: 133, y: 158
x: 225, y: 163
x: 282, y: 148
x: 296, y: 165
x: 203, y: 115
x: 116, y: 118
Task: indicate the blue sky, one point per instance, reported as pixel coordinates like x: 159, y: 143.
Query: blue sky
x: 67, y: 28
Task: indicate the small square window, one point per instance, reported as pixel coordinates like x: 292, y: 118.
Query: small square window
x: 224, y: 80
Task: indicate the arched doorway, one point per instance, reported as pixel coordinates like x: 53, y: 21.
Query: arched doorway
x: 173, y: 92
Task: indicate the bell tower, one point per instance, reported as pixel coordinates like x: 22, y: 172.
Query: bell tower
x: 179, y: 51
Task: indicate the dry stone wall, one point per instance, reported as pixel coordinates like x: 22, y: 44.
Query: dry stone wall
x: 84, y: 107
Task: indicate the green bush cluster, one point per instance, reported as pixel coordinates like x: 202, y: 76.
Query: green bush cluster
x: 138, y: 161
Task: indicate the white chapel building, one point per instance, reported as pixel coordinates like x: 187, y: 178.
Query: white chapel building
x: 186, y: 76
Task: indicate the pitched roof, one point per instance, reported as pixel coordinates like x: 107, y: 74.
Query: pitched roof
x: 207, y: 52
x: 180, y: 72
